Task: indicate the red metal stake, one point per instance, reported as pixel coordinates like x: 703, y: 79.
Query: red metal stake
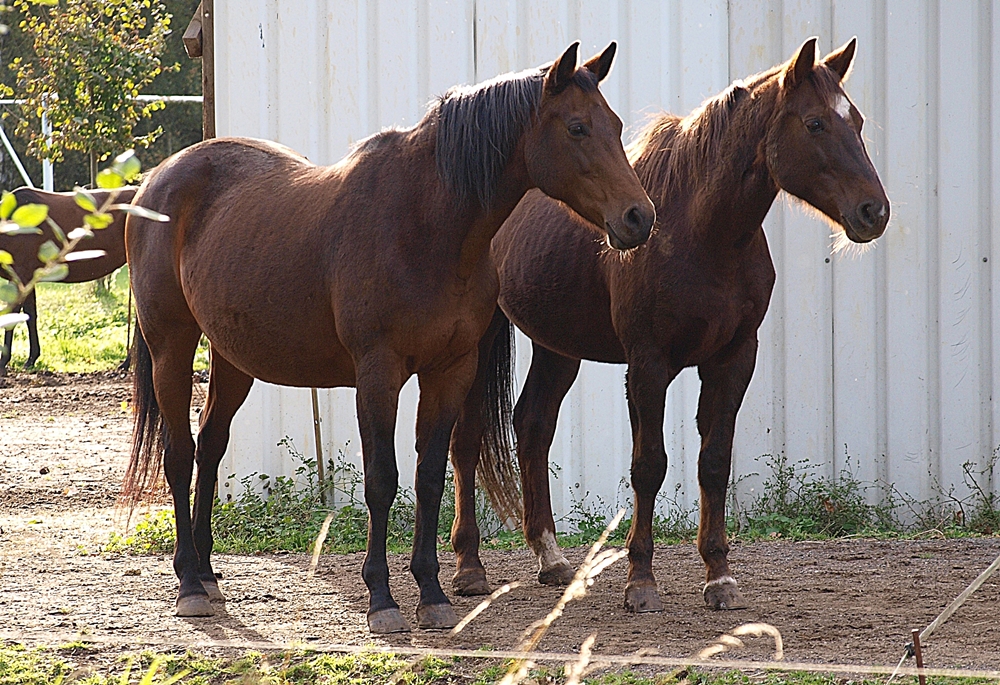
x: 919, y: 655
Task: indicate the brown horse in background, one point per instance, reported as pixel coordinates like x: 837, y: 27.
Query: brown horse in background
x: 693, y: 295
x: 64, y: 211
x: 384, y: 259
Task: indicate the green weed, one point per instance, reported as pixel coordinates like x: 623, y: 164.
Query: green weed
x: 282, y: 513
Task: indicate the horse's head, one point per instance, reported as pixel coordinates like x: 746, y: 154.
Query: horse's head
x: 574, y: 151
x: 814, y: 147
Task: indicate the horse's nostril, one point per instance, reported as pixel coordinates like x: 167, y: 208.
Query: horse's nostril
x: 636, y: 220
x: 869, y: 212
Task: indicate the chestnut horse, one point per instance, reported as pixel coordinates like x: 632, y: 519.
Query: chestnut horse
x: 693, y: 295
x: 384, y: 259
x: 64, y: 211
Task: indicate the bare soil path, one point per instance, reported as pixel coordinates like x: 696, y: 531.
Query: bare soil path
x: 63, y: 448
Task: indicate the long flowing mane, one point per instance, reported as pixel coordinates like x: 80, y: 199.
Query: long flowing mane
x: 478, y: 128
x: 673, y: 150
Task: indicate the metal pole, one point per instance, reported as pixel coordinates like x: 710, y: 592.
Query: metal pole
x: 47, y: 180
x: 17, y: 161
x: 319, y: 446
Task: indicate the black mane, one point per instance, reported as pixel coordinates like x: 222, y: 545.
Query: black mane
x: 478, y: 128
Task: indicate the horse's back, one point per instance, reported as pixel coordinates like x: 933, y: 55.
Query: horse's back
x: 553, y: 281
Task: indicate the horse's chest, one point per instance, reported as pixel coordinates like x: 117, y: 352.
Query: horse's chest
x: 717, y: 314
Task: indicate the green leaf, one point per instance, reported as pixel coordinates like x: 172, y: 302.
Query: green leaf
x: 47, y: 251
x: 108, y: 178
x: 127, y: 164
x: 8, y: 291
x: 145, y: 213
x: 85, y: 200
x: 7, y: 204
x: 29, y: 216
x: 6, y: 258
x: 55, y: 272
x: 11, y: 320
x: 10, y: 228
x: 99, y: 220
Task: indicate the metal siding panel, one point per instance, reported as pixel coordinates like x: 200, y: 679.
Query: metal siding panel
x: 958, y: 212
x: 858, y: 277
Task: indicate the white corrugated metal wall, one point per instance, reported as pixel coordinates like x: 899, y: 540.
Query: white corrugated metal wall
x: 890, y: 357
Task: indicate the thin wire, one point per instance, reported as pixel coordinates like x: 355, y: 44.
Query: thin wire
x: 405, y: 650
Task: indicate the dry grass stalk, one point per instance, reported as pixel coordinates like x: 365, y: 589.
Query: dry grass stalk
x: 594, y: 563
x: 729, y: 640
x: 482, y: 606
x: 318, y: 545
x: 579, y: 669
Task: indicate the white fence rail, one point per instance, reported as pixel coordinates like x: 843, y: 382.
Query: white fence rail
x: 890, y: 357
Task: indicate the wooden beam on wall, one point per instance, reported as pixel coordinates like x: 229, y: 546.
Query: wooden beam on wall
x: 208, y: 68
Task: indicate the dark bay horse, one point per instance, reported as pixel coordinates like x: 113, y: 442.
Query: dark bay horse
x: 357, y: 274
x: 693, y: 295
x: 67, y: 215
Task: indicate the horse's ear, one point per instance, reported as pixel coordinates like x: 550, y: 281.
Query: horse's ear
x: 601, y: 64
x: 562, y: 70
x: 840, y: 60
x: 802, y: 64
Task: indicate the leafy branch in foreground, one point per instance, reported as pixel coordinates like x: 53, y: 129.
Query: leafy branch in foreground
x: 56, y: 255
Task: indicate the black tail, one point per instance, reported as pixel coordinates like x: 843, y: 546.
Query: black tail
x: 497, y: 470
x: 147, y: 431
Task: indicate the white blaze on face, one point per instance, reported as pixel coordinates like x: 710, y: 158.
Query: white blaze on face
x: 842, y: 107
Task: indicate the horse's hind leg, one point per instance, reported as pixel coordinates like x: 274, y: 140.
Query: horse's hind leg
x: 227, y: 390
x: 535, y: 415
x: 723, y: 387
x: 466, y: 443
x: 172, y: 346
x: 8, y: 342
x: 379, y: 378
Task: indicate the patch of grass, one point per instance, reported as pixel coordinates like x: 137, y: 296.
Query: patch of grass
x: 42, y: 666
x: 83, y: 327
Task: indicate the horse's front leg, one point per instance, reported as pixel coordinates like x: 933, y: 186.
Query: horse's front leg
x: 723, y: 386
x: 379, y: 378
x: 646, y: 386
x: 442, y: 393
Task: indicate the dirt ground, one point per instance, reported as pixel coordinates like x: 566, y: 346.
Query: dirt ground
x: 63, y: 448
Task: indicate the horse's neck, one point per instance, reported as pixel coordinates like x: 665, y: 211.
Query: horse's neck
x: 726, y: 207
x: 514, y: 183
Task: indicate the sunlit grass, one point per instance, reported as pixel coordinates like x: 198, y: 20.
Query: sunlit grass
x: 83, y: 327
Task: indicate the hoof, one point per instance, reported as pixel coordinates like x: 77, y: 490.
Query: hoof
x: 194, y: 605
x: 387, y: 621
x: 214, y: 593
x: 642, y: 599
x: 724, y: 594
x: 436, y: 617
x: 560, y: 574
x: 470, y: 583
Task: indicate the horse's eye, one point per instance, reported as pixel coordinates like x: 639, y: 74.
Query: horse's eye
x: 579, y: 130
x: 815, y: 125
